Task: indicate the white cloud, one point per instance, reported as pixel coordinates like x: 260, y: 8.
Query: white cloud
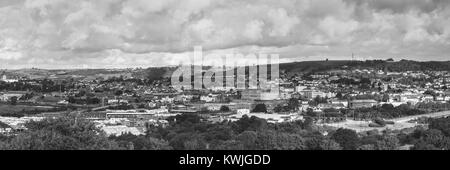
x: 253, y: 30
x: 282, y: 23
x: 71, y: 33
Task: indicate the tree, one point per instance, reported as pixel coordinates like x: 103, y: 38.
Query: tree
x: 230, y: 145
x: 366, y: 147
x: 118, y: 93
x: 385, y: 98
x: 319, y: 100
x: 272, y: 140
x: 329, y: 145
x: 387, y: 142
x: 318, y: 142
x: 248, y: 139
x: 224, y: 109
x: 339, y: 95
x: 260, y: 108
x: 13, y: 100
x: 347, y: 138
x: 140, y: 142
x: 293, y: 104
x: 310, y: 112
x: 434, y: 138
x: 442, y: 124
x: 187, y: 141
x: 249, y: 124
x: 72, y: 99
x: 278, y: 109
x: 67, y: 133
x: 185, y: 119
x: 387, y: 107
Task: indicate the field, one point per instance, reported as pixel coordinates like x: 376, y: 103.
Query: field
x: 14, y: 109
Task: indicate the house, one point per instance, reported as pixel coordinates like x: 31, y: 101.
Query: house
x: 7, y: 96
x: 5, y: 128
x: 5, y: 79
x: 300, y: 88
x: 344, y: 102
x: 427, y: 98
x: 331, y: 105
x: 412, y: 99
x: 303, y: 107
x: 209, y: 98
x: 440, y: 98
x: 243, y: 111
x: 63, y: 102
x: 117, y: 101
x: 447, y: 98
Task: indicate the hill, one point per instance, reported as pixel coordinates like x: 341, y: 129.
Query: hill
x: 399, y: 66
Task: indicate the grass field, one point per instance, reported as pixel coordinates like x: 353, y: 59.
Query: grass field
x: 12, y: 109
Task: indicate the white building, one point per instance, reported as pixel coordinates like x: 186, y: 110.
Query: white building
x: 5, y: 79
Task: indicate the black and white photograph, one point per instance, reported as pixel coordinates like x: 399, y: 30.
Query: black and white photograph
x: 224, y: 75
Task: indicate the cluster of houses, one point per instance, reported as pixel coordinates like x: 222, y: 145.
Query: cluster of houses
x: 161, y: 101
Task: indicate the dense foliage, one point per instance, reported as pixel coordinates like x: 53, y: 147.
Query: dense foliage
x: 190, y: 132
x: 59, y: 134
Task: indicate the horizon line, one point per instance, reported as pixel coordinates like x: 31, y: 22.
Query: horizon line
x: 145, y: 67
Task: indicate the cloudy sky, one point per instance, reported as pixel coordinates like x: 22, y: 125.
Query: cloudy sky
x: 129, y: 33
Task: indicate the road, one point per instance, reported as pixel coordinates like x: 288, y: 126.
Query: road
x: 430, y: 115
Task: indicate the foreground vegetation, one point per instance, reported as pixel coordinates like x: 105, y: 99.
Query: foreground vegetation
x: 189, y: 132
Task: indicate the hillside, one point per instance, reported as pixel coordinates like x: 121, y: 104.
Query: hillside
x: 399, y: 66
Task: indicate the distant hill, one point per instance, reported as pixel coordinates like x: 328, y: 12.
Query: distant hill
x: 399, y: 66
x: 155, y: 73
x: 323, y: 66
x: 313, y: 66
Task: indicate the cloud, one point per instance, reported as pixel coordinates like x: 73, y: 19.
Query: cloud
x: 63, y: 32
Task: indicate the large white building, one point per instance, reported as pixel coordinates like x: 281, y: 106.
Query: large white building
x: 5, y: 79
x: 311, y: 94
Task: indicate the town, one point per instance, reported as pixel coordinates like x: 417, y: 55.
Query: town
x: 363, y: 96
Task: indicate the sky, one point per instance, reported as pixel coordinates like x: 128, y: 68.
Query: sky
x: 59, y: 34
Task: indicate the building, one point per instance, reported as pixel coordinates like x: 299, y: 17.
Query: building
x: 300, y: 88
x: 184, y: 109
x: 362, y: 104
x: 117, y: 101
x: 134, y: 113
x: 412, y: 99
x: 335, y: 101
x: 257, y: 94
x: 7, y: 96
x: 5, y: 79
x: 331, y: 105
x: 209, y: 98
x: 311, y: 94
